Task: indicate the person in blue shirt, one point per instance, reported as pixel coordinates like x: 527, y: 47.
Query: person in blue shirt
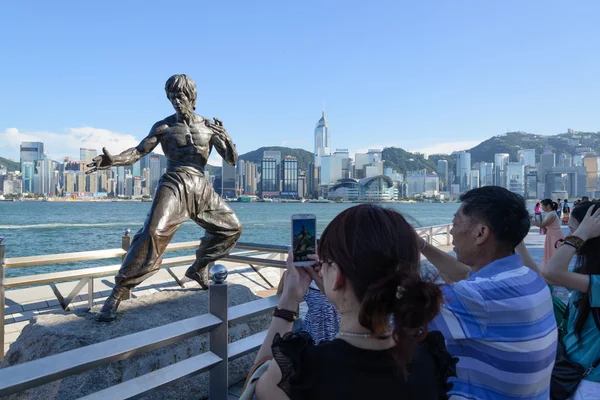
x: 582, y: 337
x: 498, y: 316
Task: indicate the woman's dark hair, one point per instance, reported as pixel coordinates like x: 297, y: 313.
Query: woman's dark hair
x: 376, y: 251
x: 549, y: 202
x: 588, y: 263
x: 537, y: 204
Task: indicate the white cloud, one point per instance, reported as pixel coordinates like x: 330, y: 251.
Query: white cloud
x: 446, y: 148
x: 58, y: 145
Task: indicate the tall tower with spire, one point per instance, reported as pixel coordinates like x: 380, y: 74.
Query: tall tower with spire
x: 322, y: 140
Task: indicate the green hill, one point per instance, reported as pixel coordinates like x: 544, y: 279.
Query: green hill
x: 10, y: 165
x: 403, y: 161
x: 304, y: 157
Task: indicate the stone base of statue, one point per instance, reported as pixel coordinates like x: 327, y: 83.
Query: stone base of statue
x: 56, y: 333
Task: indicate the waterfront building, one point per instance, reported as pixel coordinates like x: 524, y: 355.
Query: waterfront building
x: 30, y: 153
x: 420, y: 183
x: 269, y: 185
x: 249, y: 178
x: 547, y: 161
x: 463, y: 170
x: 154, y: 165
x: 486, y: 174
x: 527, y: 157
x: 569, y: 179
x: 516, y: 178
x: 474, y: 179
x: 531, y: 183
x: 590, y: 162
x: 229, y: 183
x: 290, y: 177
x: 500, y: 171
x: 442, y: 170
x: 322, y: 139
x: 377, y: 188
x: 11, y: 184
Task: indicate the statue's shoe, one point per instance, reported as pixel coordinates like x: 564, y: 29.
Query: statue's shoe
x: 199, y: 275
x: 108, y: 312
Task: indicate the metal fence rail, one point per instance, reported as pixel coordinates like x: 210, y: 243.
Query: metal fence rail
x: 31, y: 374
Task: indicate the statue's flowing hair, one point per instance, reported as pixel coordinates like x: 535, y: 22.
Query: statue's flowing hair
x: 182, y: 83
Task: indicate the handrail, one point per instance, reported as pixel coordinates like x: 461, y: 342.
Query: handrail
x: 34, y: 373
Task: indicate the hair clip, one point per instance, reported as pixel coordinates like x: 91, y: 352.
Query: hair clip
x: 400, y: 292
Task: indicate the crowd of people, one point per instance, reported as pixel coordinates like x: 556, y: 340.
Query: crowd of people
x: 377, y: 328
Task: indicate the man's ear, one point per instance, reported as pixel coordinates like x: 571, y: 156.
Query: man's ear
x: 482, y: 233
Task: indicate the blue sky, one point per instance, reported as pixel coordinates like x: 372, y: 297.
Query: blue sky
x: 431, y: 75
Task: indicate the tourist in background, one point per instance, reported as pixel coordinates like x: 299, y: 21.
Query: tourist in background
x: 368, y: 267
x: 497, y: 317
x: 551, y: 224
x: 566, y: 211
x: 558, y: 209
x: 581, y: 338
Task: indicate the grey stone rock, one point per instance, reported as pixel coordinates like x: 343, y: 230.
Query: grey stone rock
x: 56, y: 333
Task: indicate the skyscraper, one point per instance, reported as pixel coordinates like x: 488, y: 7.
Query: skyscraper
x: 290, y: 177
x: 322, y: 139
x: 527, y: 157
x: 500, y: 169
x: 516, y: 178
x: 486, y: 173
x: 154, y: 163
x: 442, y: 170
x: 590, y: 162
x: 228, y: 181
x: 268, y: 176
x: 31, y: 152
x: 463, y: 170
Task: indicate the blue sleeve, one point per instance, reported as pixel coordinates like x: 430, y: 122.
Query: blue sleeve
x: 463, y: 314
x: 595, y: 290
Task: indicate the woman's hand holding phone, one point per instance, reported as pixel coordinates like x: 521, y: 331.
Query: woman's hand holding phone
x: 315, y: 272
x: 295, y: 285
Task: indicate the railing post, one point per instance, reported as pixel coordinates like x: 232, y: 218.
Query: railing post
x: 125, y: 244
x: 217, y: 306
x: 448, y: 241
x: 2, y: 300
x: 430, y: 236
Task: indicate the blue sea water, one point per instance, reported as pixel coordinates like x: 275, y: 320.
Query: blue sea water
x: 38, y: 228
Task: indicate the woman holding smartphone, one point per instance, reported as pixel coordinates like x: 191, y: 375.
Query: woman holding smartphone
x: 368, y: 267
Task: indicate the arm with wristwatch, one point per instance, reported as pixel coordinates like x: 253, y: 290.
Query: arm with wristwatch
x: 557, y: 268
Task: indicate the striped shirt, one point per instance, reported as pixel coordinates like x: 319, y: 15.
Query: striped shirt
x: 500, y: 324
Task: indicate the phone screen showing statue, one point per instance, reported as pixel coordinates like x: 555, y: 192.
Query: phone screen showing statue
x: 304, y: 233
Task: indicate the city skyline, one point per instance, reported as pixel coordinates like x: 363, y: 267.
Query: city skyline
x: 390, y: 73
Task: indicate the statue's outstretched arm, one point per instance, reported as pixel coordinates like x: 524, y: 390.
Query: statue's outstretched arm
x: 223, y: 142
x: 129, y: 156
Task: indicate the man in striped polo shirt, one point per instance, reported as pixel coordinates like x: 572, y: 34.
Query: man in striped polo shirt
x: 497, y: 317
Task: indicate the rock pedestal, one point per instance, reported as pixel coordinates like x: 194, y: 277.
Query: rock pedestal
x: 56, y: 333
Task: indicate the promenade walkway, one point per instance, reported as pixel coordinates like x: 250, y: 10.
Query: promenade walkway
x: 23, y: 304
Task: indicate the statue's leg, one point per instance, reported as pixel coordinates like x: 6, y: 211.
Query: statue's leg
x: 144, y: 257
x: 222, y: 227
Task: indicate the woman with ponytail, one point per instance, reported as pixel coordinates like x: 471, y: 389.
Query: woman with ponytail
x: 551, y: 224
x: 368, y: 267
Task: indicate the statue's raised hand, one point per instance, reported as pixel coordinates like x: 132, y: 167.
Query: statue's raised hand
x: 103, y: 161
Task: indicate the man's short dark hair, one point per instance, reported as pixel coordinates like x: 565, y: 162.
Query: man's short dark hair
x: 503, y: 211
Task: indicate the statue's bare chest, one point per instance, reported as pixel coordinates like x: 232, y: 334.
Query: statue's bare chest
x: 181, y: 135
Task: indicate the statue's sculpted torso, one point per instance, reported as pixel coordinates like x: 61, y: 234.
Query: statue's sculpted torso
x: 185, y: 145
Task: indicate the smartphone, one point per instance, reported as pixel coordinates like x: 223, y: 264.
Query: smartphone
x: 304, y: 238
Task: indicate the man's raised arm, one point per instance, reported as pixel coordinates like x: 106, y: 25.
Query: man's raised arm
x: 223, y: 143
x: 451, y: 269
x: 129, y: 156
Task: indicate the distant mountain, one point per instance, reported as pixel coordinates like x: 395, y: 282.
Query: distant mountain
x: 403, y: 161
x: 304, y: 157
x: 10, y: 165
x: 213, y: 170
x: 512, y: 142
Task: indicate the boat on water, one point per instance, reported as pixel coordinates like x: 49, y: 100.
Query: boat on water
x: 245, y: 199
x: 320, y: 200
